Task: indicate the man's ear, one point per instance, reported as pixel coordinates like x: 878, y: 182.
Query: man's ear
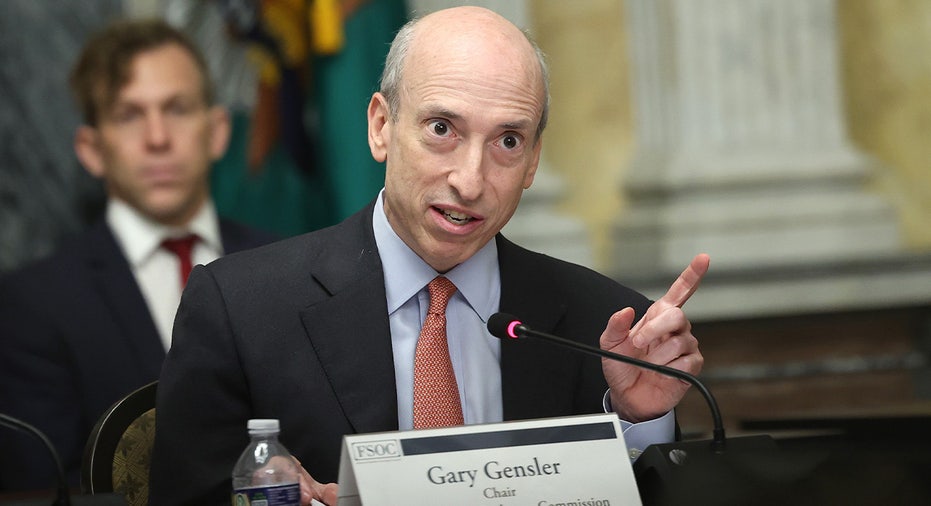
x: 379, y: 116
x: 87, y: 147
x: 220, y: 131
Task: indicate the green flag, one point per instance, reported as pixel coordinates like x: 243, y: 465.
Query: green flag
x: 344, y: 83
x: 290, y: 196
x: 280, y: 198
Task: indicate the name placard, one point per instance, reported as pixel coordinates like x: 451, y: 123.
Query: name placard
x: 578, y: 460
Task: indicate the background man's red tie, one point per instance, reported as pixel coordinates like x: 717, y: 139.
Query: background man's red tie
x: 436, y: 393
x: 182, y: 247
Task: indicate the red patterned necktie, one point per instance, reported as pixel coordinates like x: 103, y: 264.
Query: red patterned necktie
x: 436, y: 393
x: 181, y: 247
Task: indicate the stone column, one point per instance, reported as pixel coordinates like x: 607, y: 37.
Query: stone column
x: 741, y: 143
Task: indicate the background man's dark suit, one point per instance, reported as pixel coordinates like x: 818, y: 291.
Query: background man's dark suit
x: 75, y: 331
x: 324, y: 365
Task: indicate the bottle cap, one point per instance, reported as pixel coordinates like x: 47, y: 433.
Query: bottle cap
x: 263, y: 425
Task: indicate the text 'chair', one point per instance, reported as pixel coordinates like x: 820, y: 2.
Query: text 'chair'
x: 118, y: 452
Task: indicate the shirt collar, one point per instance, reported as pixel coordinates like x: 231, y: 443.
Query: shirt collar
x: 477, y: 279
x: 140, y: 236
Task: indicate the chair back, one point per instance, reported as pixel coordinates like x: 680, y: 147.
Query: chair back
x: 119, y: 449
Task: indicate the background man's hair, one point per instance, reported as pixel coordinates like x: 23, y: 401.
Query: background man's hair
x: 105, y: 64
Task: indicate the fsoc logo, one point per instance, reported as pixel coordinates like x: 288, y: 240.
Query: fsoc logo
x: 375, y: 450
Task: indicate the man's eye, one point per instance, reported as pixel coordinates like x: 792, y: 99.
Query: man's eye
x: 440, y: 128
x: 179, y: 108
x: 125, y: 115
x: 510, y: 141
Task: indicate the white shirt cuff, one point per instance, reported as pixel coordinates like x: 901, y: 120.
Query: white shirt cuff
x: 638, y: 436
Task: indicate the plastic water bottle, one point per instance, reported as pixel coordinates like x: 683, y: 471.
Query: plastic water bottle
x: 265, y: 474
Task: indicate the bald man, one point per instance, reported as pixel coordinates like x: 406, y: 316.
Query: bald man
x: 322, y: 331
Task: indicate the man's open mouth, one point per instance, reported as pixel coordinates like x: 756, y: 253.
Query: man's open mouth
x: 454, y: 217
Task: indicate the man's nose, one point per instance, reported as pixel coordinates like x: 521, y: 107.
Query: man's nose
x: 156, y: 130
x: 468, y: 176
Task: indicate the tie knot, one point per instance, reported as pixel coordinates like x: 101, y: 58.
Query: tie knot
x: 441, y: 289
x: 180, y: 246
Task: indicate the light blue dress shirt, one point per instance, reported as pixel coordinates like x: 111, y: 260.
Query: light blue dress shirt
x: 474, y: 352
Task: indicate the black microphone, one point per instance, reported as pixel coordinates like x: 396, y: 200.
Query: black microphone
x: 63, y: 497
x: 749, y: 468
x: 505, y: 326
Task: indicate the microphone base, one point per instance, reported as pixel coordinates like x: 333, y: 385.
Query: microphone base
x: 883, y: 467
x: 750, y: 470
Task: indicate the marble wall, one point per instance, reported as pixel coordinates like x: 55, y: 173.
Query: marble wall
x: 590, y: 134
x: 44, y: 193
x: 886, y: 70
x: 885, y: 79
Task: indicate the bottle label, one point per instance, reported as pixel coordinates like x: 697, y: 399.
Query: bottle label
x: 278, y: 495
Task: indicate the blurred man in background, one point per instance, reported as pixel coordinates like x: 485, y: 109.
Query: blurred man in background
x: 87, y: 326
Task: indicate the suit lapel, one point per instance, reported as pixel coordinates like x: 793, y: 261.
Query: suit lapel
x: 114, y: 281
x: 348, y: 325
x: 528, y: 368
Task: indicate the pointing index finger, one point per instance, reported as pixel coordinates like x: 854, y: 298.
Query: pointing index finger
x: 687, y: 282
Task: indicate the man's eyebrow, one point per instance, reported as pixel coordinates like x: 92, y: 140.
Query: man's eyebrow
x: 119, y: 104
x: 516, y: 125
x: 443, y: 112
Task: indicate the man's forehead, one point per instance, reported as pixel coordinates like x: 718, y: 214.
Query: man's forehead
x: 477, y: 70
x: 146, y: 82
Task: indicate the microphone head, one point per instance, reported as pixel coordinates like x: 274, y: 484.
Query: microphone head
x: 504, y: 326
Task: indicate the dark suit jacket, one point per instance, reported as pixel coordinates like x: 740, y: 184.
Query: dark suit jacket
x: 75, y: 337
x: 298, y: 331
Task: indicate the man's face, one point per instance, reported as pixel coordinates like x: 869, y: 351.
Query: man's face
x: 154, y: 145
x: 462, y: 149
